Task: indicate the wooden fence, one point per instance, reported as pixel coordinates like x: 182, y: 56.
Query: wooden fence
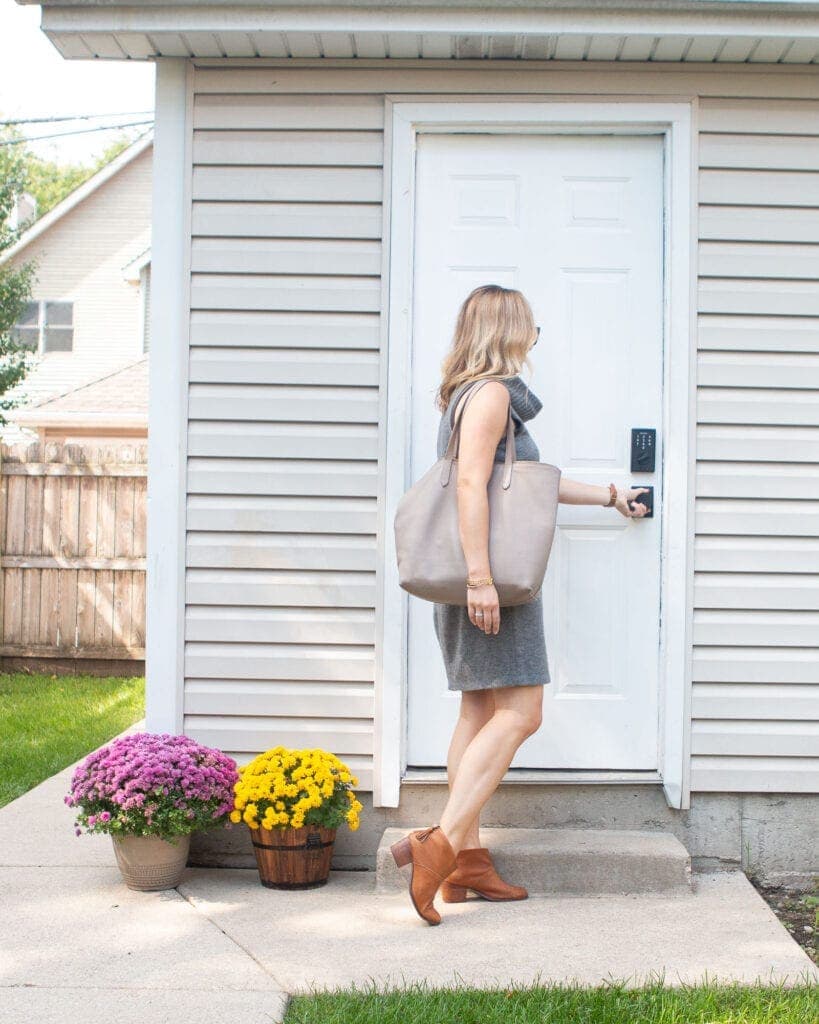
x: 72, y: 555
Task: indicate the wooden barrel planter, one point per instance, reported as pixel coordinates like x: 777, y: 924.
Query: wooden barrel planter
x: 293, y: 858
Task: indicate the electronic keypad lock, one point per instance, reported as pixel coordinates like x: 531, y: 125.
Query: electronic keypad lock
x: 643, y: 448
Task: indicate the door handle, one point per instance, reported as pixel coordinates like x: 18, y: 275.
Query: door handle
x: 647, y: 499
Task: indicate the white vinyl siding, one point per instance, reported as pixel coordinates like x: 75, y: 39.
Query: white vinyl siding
x: 283, y: 425
x: 283, y: 429
x: 756, y: 595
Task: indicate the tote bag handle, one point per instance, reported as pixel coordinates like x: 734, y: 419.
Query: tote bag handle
x: 455, y: 439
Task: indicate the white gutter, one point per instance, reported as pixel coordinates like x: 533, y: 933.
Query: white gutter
x: 634, y: 21
x: 612, y: 5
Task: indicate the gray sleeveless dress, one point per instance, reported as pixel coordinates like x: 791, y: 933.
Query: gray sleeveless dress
x: 516, y: 655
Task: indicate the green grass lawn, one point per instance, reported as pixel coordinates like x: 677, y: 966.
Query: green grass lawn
x: 651, y: 1003
x: 48, y: 722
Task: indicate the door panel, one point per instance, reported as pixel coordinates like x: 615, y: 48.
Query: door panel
x: 576, y: 223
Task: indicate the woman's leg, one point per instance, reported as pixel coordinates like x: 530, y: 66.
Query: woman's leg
x: 477, y: 707
x: 517, y: 715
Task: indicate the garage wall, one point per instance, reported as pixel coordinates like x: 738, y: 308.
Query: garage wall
x: 284, y: 403
x: 756, y: 615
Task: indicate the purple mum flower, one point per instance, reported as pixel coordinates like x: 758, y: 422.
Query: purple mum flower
x: 143, y: 780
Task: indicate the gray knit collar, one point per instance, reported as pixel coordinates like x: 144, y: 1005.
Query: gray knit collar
x: 524, y: 401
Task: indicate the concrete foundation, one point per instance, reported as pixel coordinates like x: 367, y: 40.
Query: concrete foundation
x: 772, y: 837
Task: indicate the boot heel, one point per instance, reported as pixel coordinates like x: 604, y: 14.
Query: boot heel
x: 402, y: 852
x: 453, y: 893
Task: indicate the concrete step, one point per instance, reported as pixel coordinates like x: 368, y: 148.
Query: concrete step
x: 569, y: 860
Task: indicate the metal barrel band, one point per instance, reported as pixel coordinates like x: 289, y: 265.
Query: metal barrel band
x: 311, y: 844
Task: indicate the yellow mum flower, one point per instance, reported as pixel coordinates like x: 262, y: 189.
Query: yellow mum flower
x: 235, y: 816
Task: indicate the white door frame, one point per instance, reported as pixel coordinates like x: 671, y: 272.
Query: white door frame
x: 405, y: 117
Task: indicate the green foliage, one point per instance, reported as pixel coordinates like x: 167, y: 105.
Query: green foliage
x: 15, y: 281
x: 50, y: 182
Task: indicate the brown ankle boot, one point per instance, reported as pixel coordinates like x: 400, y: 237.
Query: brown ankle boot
x: 425, y: 857
x: 476, y: 871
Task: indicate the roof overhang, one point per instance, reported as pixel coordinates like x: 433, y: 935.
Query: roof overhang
x: 718, y: 31
x: 132, y: 271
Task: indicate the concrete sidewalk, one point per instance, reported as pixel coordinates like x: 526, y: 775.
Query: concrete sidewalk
x: 77, y: 944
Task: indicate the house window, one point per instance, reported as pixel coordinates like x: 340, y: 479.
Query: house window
x: 46, y: 327
x: 26, y: 331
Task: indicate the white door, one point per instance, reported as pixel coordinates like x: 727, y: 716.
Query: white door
x: 576, y: 223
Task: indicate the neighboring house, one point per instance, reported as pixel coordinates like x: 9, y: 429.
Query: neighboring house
x: 113, y: 408
x: 330, y: 182
x: 88, y: 312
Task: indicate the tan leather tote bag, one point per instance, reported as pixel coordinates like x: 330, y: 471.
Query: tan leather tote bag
x: 523, y: 499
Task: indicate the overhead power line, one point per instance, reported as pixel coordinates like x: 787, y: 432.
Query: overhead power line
x: 77, y: 131
x: 73, y: 117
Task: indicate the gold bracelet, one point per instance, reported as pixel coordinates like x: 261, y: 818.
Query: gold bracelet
x: 480, y: 583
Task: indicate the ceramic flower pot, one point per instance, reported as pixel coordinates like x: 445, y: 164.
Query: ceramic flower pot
x: 150, y: 862
x: 293, y: 858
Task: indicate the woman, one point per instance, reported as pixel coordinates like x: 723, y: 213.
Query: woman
x: 498, y: 662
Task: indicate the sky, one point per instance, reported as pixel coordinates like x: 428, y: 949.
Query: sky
x: 36, y: 81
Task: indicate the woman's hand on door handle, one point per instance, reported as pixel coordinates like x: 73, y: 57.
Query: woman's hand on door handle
x: 623, y: 499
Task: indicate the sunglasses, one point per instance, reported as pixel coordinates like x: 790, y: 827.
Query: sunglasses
x: 537, y: 335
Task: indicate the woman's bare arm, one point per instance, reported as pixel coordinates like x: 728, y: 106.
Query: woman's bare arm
x: 482, y: 426
x: 574, y: 492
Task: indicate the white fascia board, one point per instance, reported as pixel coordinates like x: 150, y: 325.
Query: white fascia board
x: 551, y: 20
x: 347, y: 5
x: 75, y: 197
x: 131, y: 271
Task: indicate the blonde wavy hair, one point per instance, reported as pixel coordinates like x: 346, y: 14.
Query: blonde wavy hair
x: 494, y: 331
